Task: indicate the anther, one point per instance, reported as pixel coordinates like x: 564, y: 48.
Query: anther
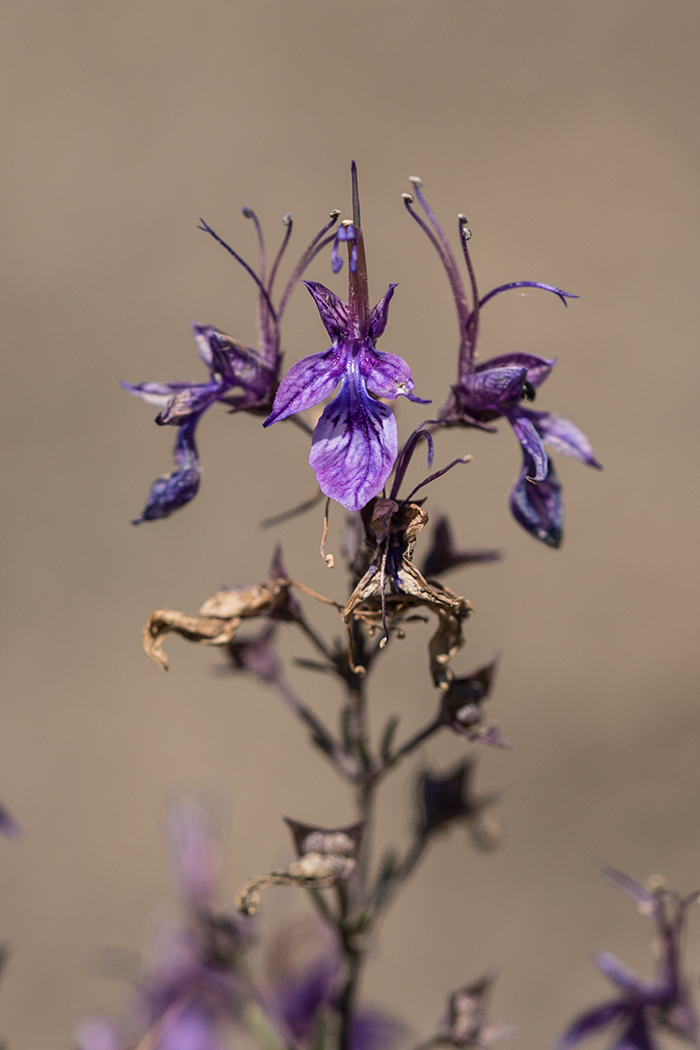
x: 408, y: 198
x: 416, y: 181
x: 287, y: 219
x: 335, y: 213
x: 248, y: 212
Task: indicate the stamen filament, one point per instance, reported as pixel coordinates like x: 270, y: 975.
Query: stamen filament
x: 207, y: 229
x: 287, y: 220
x: 317, y: 244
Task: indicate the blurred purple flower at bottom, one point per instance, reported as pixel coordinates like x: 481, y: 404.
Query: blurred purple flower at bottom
x: 644, y: 1007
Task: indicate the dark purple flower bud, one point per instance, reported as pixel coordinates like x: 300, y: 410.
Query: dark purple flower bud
x: 172, y: 491
x: 443, y: 555
x: 462, y: 706
x: 256, y: 654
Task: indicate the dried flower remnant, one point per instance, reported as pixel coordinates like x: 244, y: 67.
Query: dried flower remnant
x: 498, y: 388
x: 448, y: 799
x: 241, y: 377
x: 325, y: 857
x: 354, y: 444
x: 642, y: 1007
x: 444, y: 556
x: 462, y: 706
x: 221, y: 615
x: 467, y: 1023
x: 393, y: 587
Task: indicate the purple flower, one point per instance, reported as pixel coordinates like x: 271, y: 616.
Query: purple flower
x: 497, y: 388
x: 641, y: 1006
x: 443, y: 555
x: 241, y: 377
x: 354, y: 444
x: 462, y: 706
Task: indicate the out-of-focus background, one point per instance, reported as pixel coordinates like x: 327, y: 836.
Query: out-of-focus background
x: 568, y: 133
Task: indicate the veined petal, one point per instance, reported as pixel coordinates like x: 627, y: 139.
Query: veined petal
x: 172, y: 491
x: 494, y: 388
x: 387, y: 375
x: 562, y: 436
x: 354, y: 445
x: 306, y: 383
x: 539, y: 507
x: 590, y: 1022
x: 333, y: 310
x: 235, y: 363
x: 380, y: 314
x: 156, y: 393
x: 538, y: 368
x: 532, y: 446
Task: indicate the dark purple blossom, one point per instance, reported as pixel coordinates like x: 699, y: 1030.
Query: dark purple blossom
x: 643, y: 1007
x: 497, y: 388
x: 240, y: 377
x: 354, y: 445
x: 449, y: 799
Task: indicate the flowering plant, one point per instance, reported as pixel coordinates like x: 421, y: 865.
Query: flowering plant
x: 200, y: 982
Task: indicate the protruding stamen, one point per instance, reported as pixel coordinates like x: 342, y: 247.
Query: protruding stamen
x: 416, y: 181
x: 287, y: 219
x: 250, y: 214
x: 464, y: 232
x: 407, y: 198
x: 207, y: 229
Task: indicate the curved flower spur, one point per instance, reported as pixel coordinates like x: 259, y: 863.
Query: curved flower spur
x: 354, y: 445
x: 241, y: 377
x: 498, y: 387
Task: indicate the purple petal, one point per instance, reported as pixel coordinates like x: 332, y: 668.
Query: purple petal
x: 172, y: 491
x: 354, y: 445
x: 156, y: 393
x: 380, y: 314
x: 621, y: 975
x: 538, y: 507
x: 333, y: 310
x: 298, y: 999
x: 196, y: 856
x: 589, y: 1022
x: 387, y: 375
x: 97, y: 1033
x: 236, y: 364
x: 538, y: 368
x: 532, y: 446
x: 647, y: 902
x: 372, y: 1030
x: 190, y: 401
x: 494, y: 388
x: 8, y: 825
x: 562, y: 436
x: 636, y: 1036
x: 193, y: 1029
x: 306, y: 383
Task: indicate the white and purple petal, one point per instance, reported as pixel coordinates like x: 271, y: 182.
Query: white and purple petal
x: 158, y: 394
x: 306, y: 383
x: 387, y: 375
x: 561, y: 435
x: 538, y: 506
x: 538, y: 368
x: 380, y: 314
x: 354, y: 445
x: 333, y: 310
x: 531, y: 444
x: 493, y: 388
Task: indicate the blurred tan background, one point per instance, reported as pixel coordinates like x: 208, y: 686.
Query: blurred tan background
x: 568, y: 133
